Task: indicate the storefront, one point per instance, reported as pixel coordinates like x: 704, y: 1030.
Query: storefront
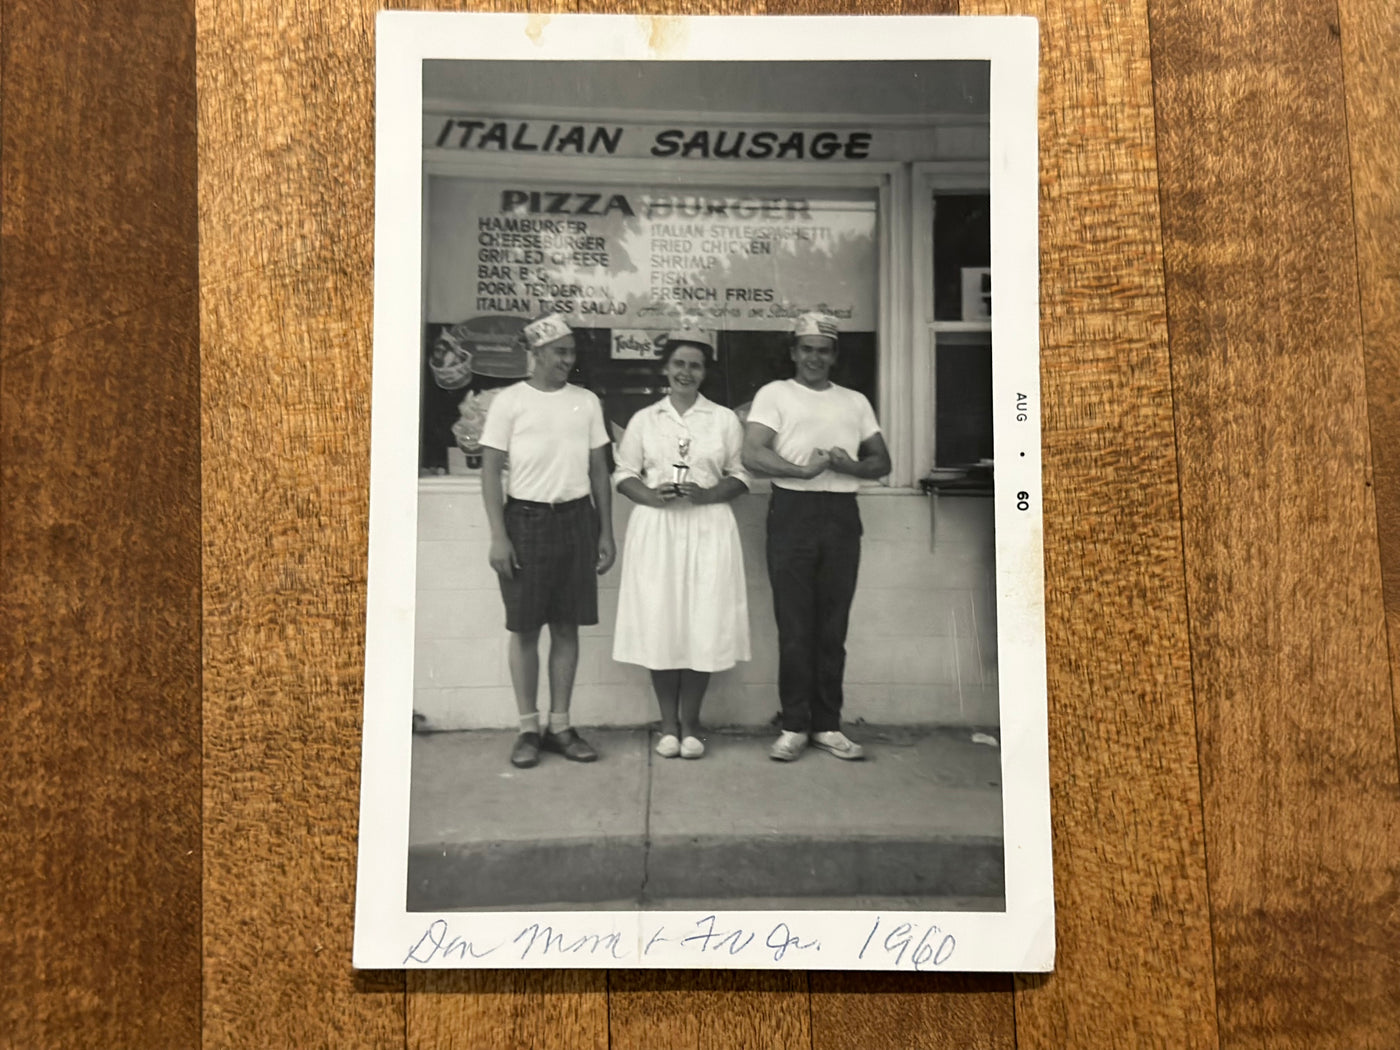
x: 609, y: 193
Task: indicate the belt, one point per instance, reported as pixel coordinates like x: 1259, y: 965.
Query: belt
x: 807, y: 493
x: 529, y: 504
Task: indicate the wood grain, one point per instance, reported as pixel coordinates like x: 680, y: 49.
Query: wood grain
x: 285, y: 174
x: 867, y: 1011
x: 1134, y: 957
x: 99, y: 926
x: 284, y: 563
x: 507, y: 1009
x: 99, y: 529
x: 98, y: 176
x: 743, y: 1009
x: 1370, y: 37
x: 1287, y: 631
x: 1370, y: 31
x: 1278, y: 217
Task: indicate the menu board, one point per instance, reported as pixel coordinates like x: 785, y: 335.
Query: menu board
x: 655, y: 257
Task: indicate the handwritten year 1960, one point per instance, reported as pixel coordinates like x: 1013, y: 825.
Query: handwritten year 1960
x: 930, y: 949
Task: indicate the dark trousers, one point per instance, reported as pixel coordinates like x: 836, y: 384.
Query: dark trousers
x: 813, y: 558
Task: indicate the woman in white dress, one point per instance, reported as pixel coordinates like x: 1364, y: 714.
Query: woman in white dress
x: 682, y: 609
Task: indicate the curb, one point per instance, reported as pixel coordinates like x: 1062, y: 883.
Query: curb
x: 496, y: 874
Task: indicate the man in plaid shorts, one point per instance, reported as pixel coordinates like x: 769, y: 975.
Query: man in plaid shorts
x: 549, y: 541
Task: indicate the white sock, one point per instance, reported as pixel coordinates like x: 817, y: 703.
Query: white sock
x: 558, y: 722
x: 530, y: 723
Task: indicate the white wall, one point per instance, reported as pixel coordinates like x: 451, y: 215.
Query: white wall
x: 921, y: 648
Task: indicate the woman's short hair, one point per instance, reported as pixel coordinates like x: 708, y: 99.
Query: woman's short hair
x: 675, y: 340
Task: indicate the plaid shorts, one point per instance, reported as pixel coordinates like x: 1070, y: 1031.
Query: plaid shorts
x: 557, y: 548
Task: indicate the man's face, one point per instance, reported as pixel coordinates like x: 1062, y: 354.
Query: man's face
x: 814, y: 355
x: 554, y: 361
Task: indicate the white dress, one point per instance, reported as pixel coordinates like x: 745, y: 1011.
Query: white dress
x: 682, y: 601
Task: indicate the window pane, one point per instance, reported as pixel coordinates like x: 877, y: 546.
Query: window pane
x: 962, y: 251
x: 963, y: 428
x: 626, y: 263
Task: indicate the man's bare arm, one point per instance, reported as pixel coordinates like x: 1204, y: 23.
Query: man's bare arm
x: 502, y: 556
x: 874, y: 461
x: 760, y: 458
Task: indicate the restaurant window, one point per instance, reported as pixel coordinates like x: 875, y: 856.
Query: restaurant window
x: 627, y: 263
x: 960, y: 327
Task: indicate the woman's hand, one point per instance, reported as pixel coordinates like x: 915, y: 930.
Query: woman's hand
x: 693, y: 492
x: 665, y: 493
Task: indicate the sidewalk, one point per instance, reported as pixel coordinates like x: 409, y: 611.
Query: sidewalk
x: 918, y: 823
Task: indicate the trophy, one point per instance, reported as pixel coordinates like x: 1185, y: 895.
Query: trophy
x: 681, y: 467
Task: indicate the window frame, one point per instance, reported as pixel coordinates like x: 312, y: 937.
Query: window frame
x: 889, y: 180
x: 928, y: 178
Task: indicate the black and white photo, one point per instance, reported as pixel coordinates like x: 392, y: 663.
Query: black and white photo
x: 705, y: 598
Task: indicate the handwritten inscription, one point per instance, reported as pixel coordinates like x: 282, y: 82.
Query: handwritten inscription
x: 781, y: 939
x: 708, y: 936
x: 896, y: 944
x: 932, y: 948
x: 438, y: 942
x: 547, y: 940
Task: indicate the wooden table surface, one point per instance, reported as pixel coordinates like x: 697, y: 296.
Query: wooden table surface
x: 184, y: 400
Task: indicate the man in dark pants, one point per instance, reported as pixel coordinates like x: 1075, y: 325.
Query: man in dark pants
x: 816, y: 440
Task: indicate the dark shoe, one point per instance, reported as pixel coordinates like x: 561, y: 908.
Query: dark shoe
x: 526, y: 752
x: 570, y: 745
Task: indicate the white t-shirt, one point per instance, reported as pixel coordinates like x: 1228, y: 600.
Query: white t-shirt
x: 548, y: 436
x: 803, y: 419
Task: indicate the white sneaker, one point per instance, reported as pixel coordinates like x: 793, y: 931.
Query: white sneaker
x: 837, y: 744
x: 668, y: 746
x: 692, y: 747
x: 788, y: 747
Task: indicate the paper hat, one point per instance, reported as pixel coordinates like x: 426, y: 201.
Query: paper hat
x: 689, y: 335
x: 815, y: 324
x: 546, y: 330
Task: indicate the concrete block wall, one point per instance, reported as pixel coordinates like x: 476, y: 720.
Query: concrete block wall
x: 921, y: 648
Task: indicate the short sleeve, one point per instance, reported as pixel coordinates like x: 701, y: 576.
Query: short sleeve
x: 629, y: 451
x: 500, y: 420
x: 869, y: 425
x: 597, y: 429
x: 765, y: 409
x: 733, y: 435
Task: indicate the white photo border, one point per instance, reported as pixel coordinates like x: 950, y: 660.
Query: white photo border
x: 1021, y: 938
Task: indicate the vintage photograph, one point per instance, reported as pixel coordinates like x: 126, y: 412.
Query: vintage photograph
x: 705, y: 491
